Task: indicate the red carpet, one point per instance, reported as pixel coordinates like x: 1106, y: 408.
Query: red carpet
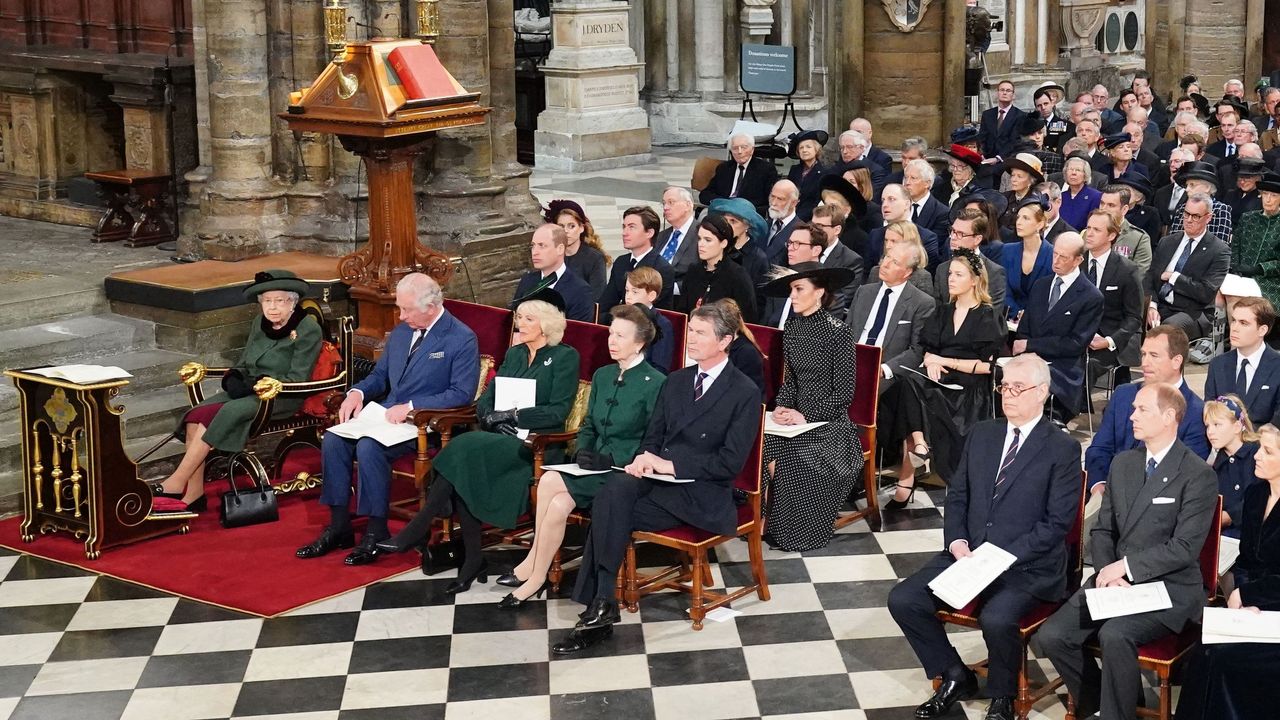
x: 251, y: 569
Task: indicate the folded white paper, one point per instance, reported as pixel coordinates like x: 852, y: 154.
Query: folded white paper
x: 83, y: 374
x: 949, y: 386
x: 788, y: 431
x: 574, y: 469
x: 959, y: 584
x: 1240, y: 286
x: 514, y: 393
x: 372, y: 423
x: 1224, y: 625
x: 1112, y: 602
x: 1228, y: 551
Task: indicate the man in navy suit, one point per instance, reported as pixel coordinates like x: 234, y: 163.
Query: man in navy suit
x: 702, y: 429
x: 1163, y: 354
x: 639, y: 228
x: 926, y: 212
x: 783, y: 199
x: 998, y: 130
x: 873, y: 153
x: 431, y: 361
x: 1115, y: 344
x: 1060, y: 319
x: 895, y: 207
x: 1252, y: 369
x: 678, y: 244
x: 1021, y: 498
x: 546, y: 249
x: 743, y: 175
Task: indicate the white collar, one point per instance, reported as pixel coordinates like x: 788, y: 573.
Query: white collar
x: 1159, y: 456
x: 1101, y: 259
x: 1069, y: 278
x: 634, y: 362
x: 1025, y: 429
x: 785, y: 221
x: 559, y: 272
x: 641, y: 256
x: 1253, y: 359
x: 714, y: 372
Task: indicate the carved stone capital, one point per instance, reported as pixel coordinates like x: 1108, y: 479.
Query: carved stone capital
x: 1081, y: 20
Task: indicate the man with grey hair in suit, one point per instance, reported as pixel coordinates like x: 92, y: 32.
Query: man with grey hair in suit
x: 890, y: 314
x: 678, y: 243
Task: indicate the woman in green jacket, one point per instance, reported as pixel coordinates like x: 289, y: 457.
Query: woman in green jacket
x: 283, y: 344
x: 485, y: 476
x: 622, y: 398
x: 1255, y: 245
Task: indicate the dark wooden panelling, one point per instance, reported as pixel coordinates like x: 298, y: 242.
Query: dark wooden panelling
x: 161, y: 27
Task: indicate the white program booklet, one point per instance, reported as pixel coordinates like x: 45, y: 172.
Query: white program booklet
x: 788, y: 431
x: 1112, y: 602
x: 514, y: 393
x: 1224, y: 625
x: 83, y: 374
x: 959, y: 584
x: 1228, y: 551
x: 949, y: 386
x: 574, y: 469
x: 372, y: 423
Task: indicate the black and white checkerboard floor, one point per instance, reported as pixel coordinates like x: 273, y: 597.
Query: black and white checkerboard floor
x: 78, y: 646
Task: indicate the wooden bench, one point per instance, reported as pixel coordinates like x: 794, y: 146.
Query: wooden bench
x: 130, y: 192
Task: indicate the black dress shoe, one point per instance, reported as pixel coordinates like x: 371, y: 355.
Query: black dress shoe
x: 581, y: 639
x: 366, y: 552
x: 329, y: 540
x: 1001, y: 708
x: 602, y: 612
x: 949, y: 693
x: 509, y: 580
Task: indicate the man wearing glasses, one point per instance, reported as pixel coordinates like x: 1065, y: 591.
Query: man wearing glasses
x: 967, y: 231
x: 1022, y: 498
x: 816, y: 242
x: 1187, y: 270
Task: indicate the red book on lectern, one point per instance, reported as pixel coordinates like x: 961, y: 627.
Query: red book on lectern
x: 422, y: 74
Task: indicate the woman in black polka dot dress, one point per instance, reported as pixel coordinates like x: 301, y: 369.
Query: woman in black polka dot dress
x: 810, y: 475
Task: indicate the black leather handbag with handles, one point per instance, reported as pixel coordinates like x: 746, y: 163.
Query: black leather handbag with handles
x: 251, y: 506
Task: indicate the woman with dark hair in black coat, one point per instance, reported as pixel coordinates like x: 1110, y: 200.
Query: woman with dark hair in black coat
x: 716, y: 276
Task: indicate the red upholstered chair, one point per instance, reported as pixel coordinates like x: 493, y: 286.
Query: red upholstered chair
x: 492, y: 326
x: 694, y: 573
x: 679, y: 328
x: 1163, y: 656
x: 862, y: 413
x: 770, y: 341
x: 967, y: 616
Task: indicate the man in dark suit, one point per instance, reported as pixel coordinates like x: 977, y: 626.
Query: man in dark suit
x: 1156, y: 511
x: 895, y: 207
x: 1226, y: 147
x: 1055, y: 225
x: 783, y: 199
x: 1164, y: 352
x: 430, y: 361
x: 1186, y: 271
x: 743, y: 175
x: 702, y: 429
x: 1060, y: 319
x: 1252, y: 369
x: 639, y: 228
x: 1119, y: 332
x: 873, y: 153
x: 1022, y: 500
x: 918, y: 178
x: 890, y: 314
x: 967, y: 231
x: 998, y: 130
x: 678, y: 244
x: 852, y: 146
x: 546, y: 251
x: 1169, y: 198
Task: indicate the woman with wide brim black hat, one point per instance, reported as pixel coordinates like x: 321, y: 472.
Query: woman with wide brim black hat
x: 811, y: 474
x: 806, y: 147
x: 283, y: 344
x: 1025, y: 172
x: 838, y: 192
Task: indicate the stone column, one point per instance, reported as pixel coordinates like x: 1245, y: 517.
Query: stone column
x: 800, y: 15
x: 593, y: 119
x: 655, y: 45
x: 502, y: 118
x: 687, y: 50
x: 732, y: 49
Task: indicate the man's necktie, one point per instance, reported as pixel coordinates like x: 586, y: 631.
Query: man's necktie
x: 697, y: 386
x: 1231, y: 149
x: 1000, y: 119
x: 1175, y: 197
x: 915, y: 213
x: 881, y: 311
x: 418, y: 341
x: 1093, y: 271
x: 673, y: 242
x: 546, y: 282
x: 1242, y: 380
x: 1009, y: 455
x: 634, y: 262
x: 1167, y: 288
x: 1056, y: 292
x: 1151, y: 467
x: 737, y: 181
x: 775, y: 229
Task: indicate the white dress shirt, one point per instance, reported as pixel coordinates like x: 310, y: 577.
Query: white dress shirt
x: 1253, y: 359
x: 1066, y: 282
x: 888, y: 313
x: 712, y: 374
x: 1159, y: 458
x: 1173, y: 261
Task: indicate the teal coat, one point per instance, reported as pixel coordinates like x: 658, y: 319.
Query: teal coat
x: 289, y: 359
x: 492, y: 472
x: 616, y: 421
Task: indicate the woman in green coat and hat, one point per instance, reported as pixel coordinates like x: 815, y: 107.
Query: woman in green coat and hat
x: 1255, y: 246
x: 283, y: 344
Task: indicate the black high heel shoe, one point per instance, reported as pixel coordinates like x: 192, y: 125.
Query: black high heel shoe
x: 410, y: 536
x: 462, y: 585
x: 896, y: 504
x: 509, y: 580
x: 919, y: 460
x: 510, y: 602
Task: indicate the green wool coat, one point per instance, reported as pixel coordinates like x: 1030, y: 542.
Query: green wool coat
x: 616, y: 421
x: 288, y: 359
x: 492, y: 472
x: 1256, y: 241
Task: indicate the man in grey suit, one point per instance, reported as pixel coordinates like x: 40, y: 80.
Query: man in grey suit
x: 890, y: 314
x: 967, y: 231
x: 678, y: 243
x: 1157, y: 508
x: 1187, y: 270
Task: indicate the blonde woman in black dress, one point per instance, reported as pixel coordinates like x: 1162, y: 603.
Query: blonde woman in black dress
x: 810, y: 475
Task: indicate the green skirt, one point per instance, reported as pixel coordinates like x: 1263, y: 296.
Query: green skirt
x: 492, y: 473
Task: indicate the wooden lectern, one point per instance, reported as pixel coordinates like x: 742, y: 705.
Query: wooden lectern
x: 360, y: 98
x: 77, y: 477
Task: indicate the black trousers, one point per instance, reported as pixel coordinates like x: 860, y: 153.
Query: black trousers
x: 620, y: 507
x: 913, y: 605
x: 1114, y: 687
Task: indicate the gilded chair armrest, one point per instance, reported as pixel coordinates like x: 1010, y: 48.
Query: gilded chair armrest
x: 193, y: 374
x: 310, y: 387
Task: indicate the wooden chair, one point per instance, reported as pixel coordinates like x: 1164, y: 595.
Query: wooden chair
x: 862, y: 413
x: 303, y: 428
x: 1163, y: 656
x: 694, y: 572
x: 770, y: 341
x: 967, y: 616
x: 704, y: 169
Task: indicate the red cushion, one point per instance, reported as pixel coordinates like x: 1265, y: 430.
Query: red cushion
x: 327, y: 364
x: 1038, y: 614
x: 404, y: 463
x: 1170, y: 646
x: 690, y: 534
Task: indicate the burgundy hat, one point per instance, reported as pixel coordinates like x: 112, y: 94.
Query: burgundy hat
x: 969, y: 156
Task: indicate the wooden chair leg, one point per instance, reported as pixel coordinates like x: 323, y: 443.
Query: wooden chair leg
x: 1166, y: 694
x: 707, y: 580
x: 555, y: 573
x: 1022, y: 704
x: 872, y: 489
x: 632, y: 593
x: 1071, y: 708
x: 755, y: 549
x: 696, y: 611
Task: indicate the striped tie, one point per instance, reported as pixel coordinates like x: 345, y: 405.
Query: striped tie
x: 1008, y: 458
x: 697, y: 386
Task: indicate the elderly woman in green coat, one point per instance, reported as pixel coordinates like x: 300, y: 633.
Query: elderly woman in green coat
x: 283, y: 344
x: 485, y: 476
x: 622, y: 399
x: 1255, y: 245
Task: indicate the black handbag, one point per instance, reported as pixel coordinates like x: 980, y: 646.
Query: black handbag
x: 251, y: 507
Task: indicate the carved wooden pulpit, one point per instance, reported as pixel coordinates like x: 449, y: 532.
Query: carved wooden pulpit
x: 360, y: 98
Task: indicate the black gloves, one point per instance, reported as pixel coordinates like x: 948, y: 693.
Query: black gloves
x: 588, y: 460
x: 1248, y: 270
x: 236, y: 385
x: 503, y: 421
